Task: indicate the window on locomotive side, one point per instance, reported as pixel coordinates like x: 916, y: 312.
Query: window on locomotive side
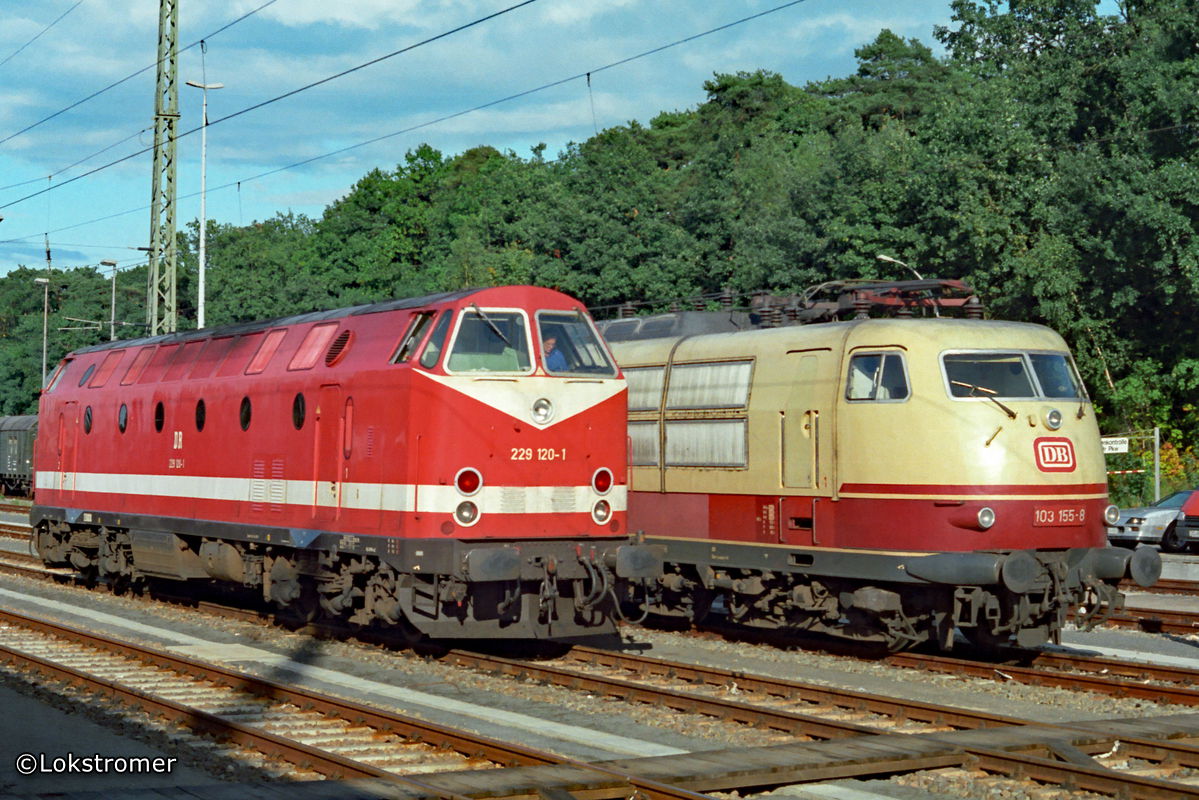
x: 432, y: 352
x: 877, y: 377
x: 299, y: 410
x: 57, y: 375
x: 417, y: 327
x: 139, y: 363
x: 87, y: 374
x: 645, y: 387
x: 313, y: 346
x: 266, y: 351
x: 490, y: 340
x: 717, y: 384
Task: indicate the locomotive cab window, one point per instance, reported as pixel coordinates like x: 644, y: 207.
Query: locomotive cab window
x: 1057, y: 376
x: 1015, y: 376
x: 570, y: 345
x: 877, y: 377
x: 413, y: 336
x: 59, y: 371
x: 490, y: 340
x: 432, y: 352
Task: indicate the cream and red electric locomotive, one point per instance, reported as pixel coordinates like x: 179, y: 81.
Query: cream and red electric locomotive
x: 886, y: 480
x: 443, y: 464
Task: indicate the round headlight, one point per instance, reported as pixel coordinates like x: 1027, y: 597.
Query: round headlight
x: 1053, y: 419
x: 467, y: 513
x: 986, y: 518
x: 1111, y: 515
x: 543, y: 410
x: 468, y: 481
x: 601, y: 481
x: 601, y: 511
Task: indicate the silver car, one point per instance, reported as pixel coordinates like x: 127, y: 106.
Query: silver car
x: 1162, y: 523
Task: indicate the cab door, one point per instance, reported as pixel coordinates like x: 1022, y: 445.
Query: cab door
x: 68, y: 438
x: 806, y: 448
x: 806, y: 455
x: 329, y: 432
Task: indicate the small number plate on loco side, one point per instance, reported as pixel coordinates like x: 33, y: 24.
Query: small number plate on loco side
x: 1044, y: 516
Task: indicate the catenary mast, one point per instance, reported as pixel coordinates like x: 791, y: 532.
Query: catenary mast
x: 161, y: 301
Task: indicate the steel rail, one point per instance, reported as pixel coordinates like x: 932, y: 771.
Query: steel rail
x: 686, y: 702
x: 928, y: 713
x: 1080, y: 680
x: 1079, y: 777
x: 1136, y: 670
x: 614, y: 783
x: 1157, y: 620
x: 14, y: 530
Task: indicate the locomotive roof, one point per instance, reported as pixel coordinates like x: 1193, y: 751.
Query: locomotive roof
x: 675, y: 325
x: 947, y: 334
x: 19, y: 423
x: 297, y: 319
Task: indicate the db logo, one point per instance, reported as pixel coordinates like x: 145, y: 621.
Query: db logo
x: 1054, y: 454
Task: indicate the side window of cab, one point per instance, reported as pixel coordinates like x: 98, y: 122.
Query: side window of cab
x: 877, y: 377
x: 432, y: 352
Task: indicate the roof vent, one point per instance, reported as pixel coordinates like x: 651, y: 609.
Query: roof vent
x: 339, y: 347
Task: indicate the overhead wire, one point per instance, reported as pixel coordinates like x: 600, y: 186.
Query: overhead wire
x: 83, y: 160
x: 17, y: 52
x: 285, y: 95
x: 441, y: 119
x: 133, y: 75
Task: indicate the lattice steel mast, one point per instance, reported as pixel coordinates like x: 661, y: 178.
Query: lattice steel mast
x: 161, y: 301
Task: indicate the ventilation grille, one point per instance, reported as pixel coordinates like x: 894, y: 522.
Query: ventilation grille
x: 338, y: 349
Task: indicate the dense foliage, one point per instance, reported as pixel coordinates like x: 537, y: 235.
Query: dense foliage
x: 1046, y: 158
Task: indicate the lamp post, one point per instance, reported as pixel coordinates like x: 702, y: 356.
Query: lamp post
x: 112, y: 319
x: 204, y: 87
x: 45, y: 282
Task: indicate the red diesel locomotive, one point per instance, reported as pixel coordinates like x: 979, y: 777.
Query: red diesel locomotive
x: 443, y: 464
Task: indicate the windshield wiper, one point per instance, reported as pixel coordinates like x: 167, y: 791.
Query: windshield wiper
x: 490, y: 324
x: 989, y: 395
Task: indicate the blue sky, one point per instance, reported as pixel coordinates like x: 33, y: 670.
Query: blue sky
x: 292, y: 43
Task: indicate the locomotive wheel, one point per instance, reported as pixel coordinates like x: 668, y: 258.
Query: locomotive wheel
x: 304, y: 609
x: 1173, y: 540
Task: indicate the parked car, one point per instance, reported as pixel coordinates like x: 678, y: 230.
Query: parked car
x: 1163, y: 523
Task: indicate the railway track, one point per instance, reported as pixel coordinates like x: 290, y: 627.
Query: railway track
x: 338, y: 738
x: 317, y: 733
x: 14, y: 507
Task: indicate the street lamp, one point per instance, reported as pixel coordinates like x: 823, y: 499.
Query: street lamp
x: 112, y: 320
x: 45, y: 282
x: 204, y: 87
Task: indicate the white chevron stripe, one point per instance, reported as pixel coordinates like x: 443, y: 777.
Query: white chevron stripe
x: 570, y: 396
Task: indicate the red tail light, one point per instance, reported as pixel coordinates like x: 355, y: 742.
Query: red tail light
x: 601, y: 481
x: 468, y: 481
